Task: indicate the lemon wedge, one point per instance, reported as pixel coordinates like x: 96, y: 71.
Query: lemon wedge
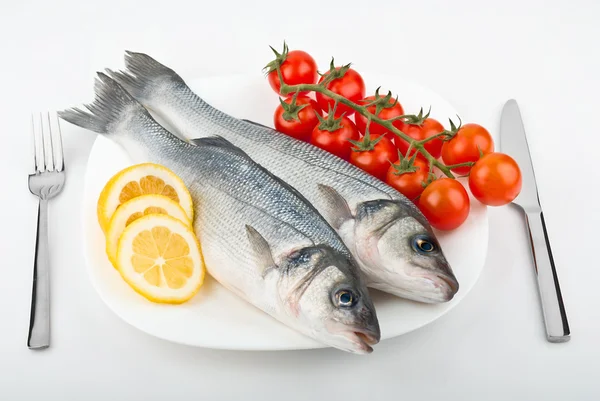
x: 160, y: 258
x: 132, y: 210
x: 138, y: 180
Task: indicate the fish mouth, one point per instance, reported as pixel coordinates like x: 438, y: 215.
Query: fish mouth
x: 451, y: 282
x: 447, y: 285
x: 363, y: 339
x: 354, y: 338
x: 427, y: 287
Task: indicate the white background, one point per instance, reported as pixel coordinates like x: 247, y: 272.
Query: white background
x: 476, y: 54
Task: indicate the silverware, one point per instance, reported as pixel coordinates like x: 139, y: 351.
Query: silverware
x: 46, y: 182
x: 514, y: 143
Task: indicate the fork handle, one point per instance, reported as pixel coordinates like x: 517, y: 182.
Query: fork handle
x: 553, y: 308
x: 39, y: 323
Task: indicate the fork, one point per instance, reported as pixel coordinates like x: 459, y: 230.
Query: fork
x: 46, y: 182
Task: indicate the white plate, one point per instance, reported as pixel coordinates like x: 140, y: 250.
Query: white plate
x: 216, y: 318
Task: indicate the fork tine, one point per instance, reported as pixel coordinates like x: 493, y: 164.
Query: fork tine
x: 59, y: 159
x: 38, y: 134
x: 35, y: 148
x: 48, y: 145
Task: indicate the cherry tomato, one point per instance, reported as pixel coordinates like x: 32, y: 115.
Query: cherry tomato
x: 337, y: 141
x: 465, y: 146
x: 386, y: 114
x: 445, y: 204
x: 297, y: 68
x: 408, y: 184
x: 351, y: 86
x: 302, y: 126
x: 377, y: 160
x: 429, y: 128
x: 495, y: 179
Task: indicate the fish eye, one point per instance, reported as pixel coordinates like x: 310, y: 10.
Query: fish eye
x: 423, y: 244
x: 345, y: 298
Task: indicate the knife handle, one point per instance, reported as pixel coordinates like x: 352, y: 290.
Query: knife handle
x: 553, y: 308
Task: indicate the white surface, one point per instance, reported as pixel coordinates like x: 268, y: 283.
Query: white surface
x: 476, y: 54
x: 235, y: 324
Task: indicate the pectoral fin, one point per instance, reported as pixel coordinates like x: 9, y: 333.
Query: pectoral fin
x: 261, y: 248
x: 336, y: 210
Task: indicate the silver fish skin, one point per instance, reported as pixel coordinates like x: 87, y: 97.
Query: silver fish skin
x: 260, y: 238
x: 389, y: 237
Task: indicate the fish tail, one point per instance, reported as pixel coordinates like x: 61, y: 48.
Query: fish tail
x: 144, y: 75
x: 110, y: 107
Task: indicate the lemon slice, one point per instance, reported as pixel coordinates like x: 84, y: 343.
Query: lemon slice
x: 142, y: 179
x: 132, y: 210
x: 160, y: 257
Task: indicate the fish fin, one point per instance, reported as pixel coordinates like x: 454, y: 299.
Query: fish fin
x: 262, y: 249
x: 143, y: 74
x: 111, y: 105
x: 337, y: 210
x: 218, y: 141
x: 255, y: 123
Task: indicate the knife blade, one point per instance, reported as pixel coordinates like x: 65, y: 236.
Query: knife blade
x: 514, y: 143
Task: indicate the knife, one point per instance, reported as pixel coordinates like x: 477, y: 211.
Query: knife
x: 514, y: 143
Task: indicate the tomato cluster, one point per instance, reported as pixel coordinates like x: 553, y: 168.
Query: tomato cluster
x: 468, y: 150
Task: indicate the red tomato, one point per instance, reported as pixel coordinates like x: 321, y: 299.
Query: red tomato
x: 336, y: 141
x: 377, y: 159
x: 445, y: 204
x: 297, y: 123
x: 351, y: 86
x: 386, y: 114
x: 465, y: 146
x: 408, y: 184
x: 495, y: 179
x: 298, y: 67
x: 429, y: 128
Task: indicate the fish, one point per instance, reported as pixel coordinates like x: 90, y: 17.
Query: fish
x: 260, y: 238
x: 393, y: 243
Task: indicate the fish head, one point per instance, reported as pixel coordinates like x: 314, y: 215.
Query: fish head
x: 400, y: 254
x: 330, y: 299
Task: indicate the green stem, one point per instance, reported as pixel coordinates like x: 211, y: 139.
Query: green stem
x: 465, y: 164
x: 410, y: 146
x: 417, y: 145
x: 431, y: 138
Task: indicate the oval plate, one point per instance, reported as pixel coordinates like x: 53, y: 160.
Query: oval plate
x: 216, y: 318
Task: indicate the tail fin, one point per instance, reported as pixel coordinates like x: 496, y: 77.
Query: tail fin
x: 143, y: 75
x: 111, y: 106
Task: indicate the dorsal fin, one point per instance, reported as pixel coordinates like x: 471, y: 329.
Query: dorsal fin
x: 257, y: 124
x: 218, y: 141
